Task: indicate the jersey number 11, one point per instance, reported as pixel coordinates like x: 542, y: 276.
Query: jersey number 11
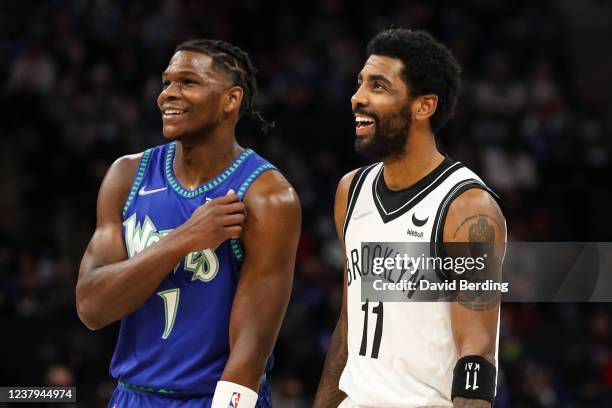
x: 378, y: 311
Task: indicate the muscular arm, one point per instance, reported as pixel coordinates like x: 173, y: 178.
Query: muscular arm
x: 270, y: 239
x: 110, y: 285
x: 474, y: 217
x: 328, y: 393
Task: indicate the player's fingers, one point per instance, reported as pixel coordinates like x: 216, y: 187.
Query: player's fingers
x: 230, y: 191
x: 227, y: 199
x: 234, y: 208
x: 234, y: 231
x: 233, y: 219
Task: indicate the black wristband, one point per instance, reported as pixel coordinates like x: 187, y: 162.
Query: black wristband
x: 474, y: 378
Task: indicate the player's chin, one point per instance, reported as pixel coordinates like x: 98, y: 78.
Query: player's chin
x: 364, y: 141
x: 172, y: 132
x: 362, y: 145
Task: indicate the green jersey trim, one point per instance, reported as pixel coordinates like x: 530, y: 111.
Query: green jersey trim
x: 176, y: 186
x: 235, y: 245
x: 142, y: 168
x: 145, y: 389
x: 247, y: 183
x: 237, y: 250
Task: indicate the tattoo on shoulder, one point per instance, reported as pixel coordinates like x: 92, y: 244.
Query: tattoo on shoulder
x: 481, y: 237
x: 482, y: 230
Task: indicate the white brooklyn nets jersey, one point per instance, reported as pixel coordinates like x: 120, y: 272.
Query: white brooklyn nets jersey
x: 400, y: 354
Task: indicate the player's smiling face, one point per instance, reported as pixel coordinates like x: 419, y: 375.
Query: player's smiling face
x: 191, y: 98
x: 381, y: 106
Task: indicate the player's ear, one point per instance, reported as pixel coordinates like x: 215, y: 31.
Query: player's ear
x: 233, y: 99
x: 424, y: 106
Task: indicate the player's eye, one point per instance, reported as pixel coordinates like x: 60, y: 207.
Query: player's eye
x: 378, y: 85
x: 187, y: 82
x: 165, y: 84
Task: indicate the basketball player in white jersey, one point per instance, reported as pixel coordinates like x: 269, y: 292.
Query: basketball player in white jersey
x: 412, y: 354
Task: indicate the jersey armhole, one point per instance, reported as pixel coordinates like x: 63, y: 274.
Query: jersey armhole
x: 235, y: 244
x: 437, y: 233
x: 353, y: 193
x: 142, y: 168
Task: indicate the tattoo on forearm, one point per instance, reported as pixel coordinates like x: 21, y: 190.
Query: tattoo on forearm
x: 479, y: 300
x: 328, y: 393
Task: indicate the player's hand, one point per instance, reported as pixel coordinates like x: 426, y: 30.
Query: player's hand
x: 214, y: 222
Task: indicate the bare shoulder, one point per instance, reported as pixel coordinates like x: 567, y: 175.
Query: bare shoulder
x: 129, y: 160
x: 345, y: 183
x: 121, y: 173
x: 342, y: 191
x: 475, y: 215
x: 116, y: 186
x: 274, y: 214
x: 124, y: 167
x: 341, y: 201
x: 272, y: 190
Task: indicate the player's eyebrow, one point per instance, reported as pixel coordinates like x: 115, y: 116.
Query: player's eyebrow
x: 184, y: 72
x: 379, y: 77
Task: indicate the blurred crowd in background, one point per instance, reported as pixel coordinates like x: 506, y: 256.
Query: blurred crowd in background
x: 79, y: 81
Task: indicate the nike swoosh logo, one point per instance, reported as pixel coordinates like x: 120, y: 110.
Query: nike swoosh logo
x: 143, y: 191
x: 417, y: 222
x: 357, y: 216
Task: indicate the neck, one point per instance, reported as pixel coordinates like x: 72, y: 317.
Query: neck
x: 420, y: 157
x: 198, y: 160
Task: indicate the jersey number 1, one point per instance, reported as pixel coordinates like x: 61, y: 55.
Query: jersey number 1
x: 378, y: 311
x: 205, y: 268
x: 171, y: 302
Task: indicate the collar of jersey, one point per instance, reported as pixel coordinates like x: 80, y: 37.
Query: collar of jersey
x: 214, y: 182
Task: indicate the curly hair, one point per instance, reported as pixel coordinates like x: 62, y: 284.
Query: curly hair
x: 237, y: 64
x: 429, y: 67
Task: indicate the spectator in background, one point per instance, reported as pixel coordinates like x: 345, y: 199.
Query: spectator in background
x: 59, y: 137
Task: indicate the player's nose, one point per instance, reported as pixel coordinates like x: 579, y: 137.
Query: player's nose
x: 359, y: 99
x: 171, y: 91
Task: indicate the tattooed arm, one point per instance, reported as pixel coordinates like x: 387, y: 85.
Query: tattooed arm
x: 329, y: 394
x: 474, y: 226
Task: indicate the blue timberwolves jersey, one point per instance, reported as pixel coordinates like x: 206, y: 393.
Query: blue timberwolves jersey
x: 177, y: 342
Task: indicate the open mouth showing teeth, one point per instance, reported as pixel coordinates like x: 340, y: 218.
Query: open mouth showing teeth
x: 362, y: 122
x: 173, y: 112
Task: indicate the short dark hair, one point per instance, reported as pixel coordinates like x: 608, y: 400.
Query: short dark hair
x: 429, y: 67
x: 237, y: 64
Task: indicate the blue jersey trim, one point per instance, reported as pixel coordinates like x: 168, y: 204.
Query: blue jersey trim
x: 142, y: 167
x: 176, y: 186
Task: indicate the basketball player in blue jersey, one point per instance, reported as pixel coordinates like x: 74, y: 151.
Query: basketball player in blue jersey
x: 194, y: 247
x: 412, y: 354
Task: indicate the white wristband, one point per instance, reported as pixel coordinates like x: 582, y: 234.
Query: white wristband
x: 231, y: 395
